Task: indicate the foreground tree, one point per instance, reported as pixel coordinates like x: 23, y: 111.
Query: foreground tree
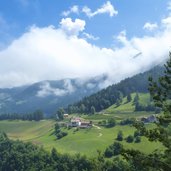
x: 158, y: 160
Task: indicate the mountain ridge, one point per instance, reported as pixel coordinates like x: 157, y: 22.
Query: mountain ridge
x: 46, y: 95
x: 109, y: 96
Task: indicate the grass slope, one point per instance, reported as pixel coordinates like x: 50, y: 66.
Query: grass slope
x: 128, y: 107
x: 26, y: 130
x: 85, y: 141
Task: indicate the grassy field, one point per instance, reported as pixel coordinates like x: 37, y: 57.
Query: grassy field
x: 128, y: 108
x: 26, y: 130
x: 85, y: 141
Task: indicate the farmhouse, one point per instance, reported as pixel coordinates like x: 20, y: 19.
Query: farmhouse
x: 85, y: 124
x: 77, y: 122
x: 66, y: 115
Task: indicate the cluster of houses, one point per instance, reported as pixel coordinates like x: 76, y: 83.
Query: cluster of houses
x: 76, y: 122
x: 79, y: 123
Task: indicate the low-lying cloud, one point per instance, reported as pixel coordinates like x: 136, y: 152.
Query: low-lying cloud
x: 51, y: 53
x: 46, y: 89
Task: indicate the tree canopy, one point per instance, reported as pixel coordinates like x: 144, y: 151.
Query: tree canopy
x: 161, y: 94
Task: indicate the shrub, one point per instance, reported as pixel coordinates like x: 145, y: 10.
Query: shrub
x: 120, y: 136
x: 117, y: 148
x: 61, y: 134
x: 108, y: 152
x: 111, y: 122
x: 127, y: 121
x: 138, y: 139
x: 130, y: 139
x: 136, y: 133
x: 113, y: 150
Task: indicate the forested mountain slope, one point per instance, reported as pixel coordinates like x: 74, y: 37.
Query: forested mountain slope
x: 47, y: 96
x: 112, y: 94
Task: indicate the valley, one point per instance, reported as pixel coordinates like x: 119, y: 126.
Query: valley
x: 84, y: 141
x: 85, y: 85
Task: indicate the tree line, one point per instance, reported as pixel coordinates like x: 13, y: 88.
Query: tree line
x: 36, y: 116
x: 158, y: 160
x: 115, y: 93
x: 16, y: 155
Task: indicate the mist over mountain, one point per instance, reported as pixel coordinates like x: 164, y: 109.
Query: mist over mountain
x: 110, y: 95
x: 47, y: 95
x: 51, y: 95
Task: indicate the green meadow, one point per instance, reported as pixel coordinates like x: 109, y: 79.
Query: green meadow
x: 129, y: 107
x: 83, y: 141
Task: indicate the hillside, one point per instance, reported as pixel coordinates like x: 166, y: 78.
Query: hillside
x: 47, y: 95
x: 128, y: 107
x: 93, y: 139
x: 50, y: 95
x: 114, y: 93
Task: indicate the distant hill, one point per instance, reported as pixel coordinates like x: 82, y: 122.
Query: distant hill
x: 47, y: 95
x: 126, y: 107
x: 114, y: 93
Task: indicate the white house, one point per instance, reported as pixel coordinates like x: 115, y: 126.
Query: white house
x: 75, y: 122
x: 66, y: 115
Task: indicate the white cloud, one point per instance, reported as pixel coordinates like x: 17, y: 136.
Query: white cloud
x: 72, y: 28
x: 105, y: 8
x: 73, y: 9
x: 46, y: 89
x: 91, y: 85
x: 49, y: 54
x: 166, y: 22
x: 122, y: 38
x: 90, y: 36
x: 150, y: 26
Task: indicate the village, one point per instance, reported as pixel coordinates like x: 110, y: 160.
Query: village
x: 78, y: 122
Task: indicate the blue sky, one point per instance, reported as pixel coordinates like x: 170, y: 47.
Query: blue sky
x: 19, y: 15
x: 58, y: 39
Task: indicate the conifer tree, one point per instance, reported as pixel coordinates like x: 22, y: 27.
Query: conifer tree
x: 161, y: 94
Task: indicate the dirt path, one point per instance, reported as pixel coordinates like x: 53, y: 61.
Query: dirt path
x: 96, y: 126
x: 100, y: 134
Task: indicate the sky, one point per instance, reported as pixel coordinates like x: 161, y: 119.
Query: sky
x: 59, y: 39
